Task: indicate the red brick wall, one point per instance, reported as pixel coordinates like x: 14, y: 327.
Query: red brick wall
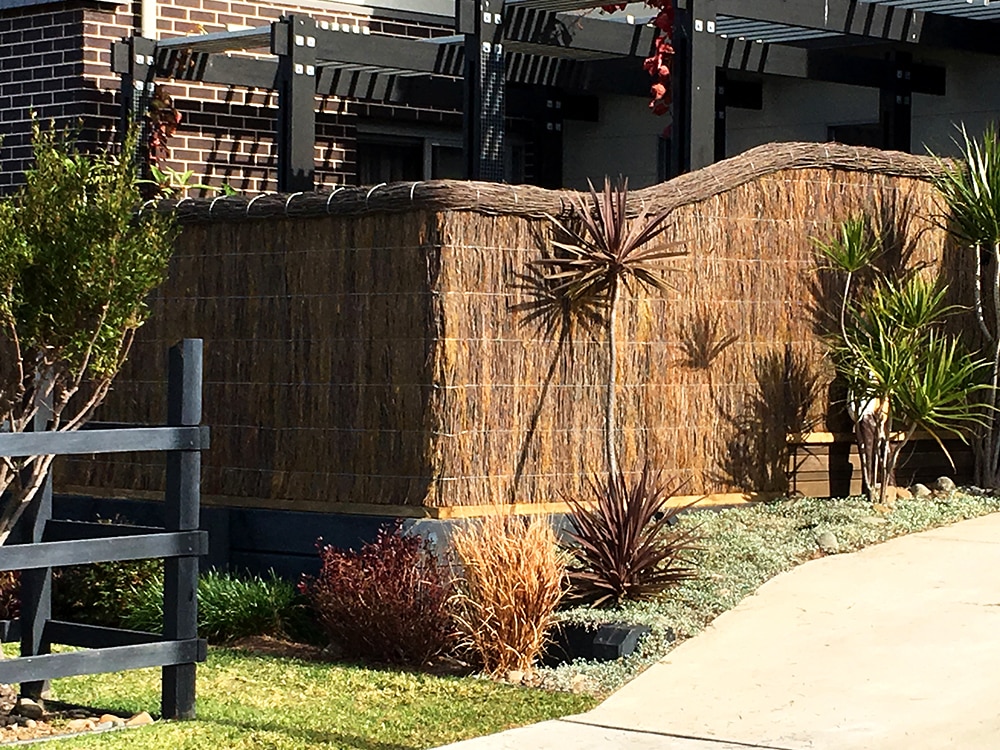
x: 56, y: 60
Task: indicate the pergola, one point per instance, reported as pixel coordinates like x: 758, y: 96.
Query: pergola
x: 549, y: 58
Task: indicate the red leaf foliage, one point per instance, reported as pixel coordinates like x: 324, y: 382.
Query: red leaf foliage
x: 163, y: 119
x: 389, y: 603
x: 625, y: 547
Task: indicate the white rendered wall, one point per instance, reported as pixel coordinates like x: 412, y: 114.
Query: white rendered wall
x: 973, y: 97
x: 624, y: 140
x: 799, y: 110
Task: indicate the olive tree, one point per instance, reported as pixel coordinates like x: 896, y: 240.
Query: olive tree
x: 77, y: 260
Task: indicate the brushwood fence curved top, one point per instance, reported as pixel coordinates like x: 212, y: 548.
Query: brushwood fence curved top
x: 369, y: 350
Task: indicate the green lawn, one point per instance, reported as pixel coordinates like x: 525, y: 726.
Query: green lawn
x: 247, y: 701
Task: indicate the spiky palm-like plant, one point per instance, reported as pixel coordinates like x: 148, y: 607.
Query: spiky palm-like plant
x: 971, y: 191
x: 599, y: 252
x: 625, y: 546
x: 891, y: 351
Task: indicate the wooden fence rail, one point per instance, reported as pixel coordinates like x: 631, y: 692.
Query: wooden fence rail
x: 45, y: 543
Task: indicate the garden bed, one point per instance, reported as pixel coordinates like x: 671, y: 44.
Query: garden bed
x: 285, y: 695
x: 740, y: 549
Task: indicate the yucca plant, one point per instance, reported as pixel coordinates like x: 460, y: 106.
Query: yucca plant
x: 851, y: 252
x: 625, y: 545
x: 601, y: 251
x: 971, y: 191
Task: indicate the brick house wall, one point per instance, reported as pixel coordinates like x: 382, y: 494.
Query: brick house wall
x: 55, y: 60
x: 47, y: 68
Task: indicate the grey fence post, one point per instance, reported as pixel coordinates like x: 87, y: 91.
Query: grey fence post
x: 183, y: 490
x: 36, y: 584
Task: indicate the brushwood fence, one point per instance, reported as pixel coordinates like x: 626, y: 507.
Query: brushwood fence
x: 374, y: 349
x: 45, y: 543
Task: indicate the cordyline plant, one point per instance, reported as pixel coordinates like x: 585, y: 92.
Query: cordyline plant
x: 76, y: 264
x: 621, y: 546
x: 971, y: 191
x: 902, y: 371
x: 625, y: 545
x: 602, y: 251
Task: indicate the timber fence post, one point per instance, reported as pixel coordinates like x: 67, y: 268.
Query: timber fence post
x: 36, y: 583
x: 181, y: 513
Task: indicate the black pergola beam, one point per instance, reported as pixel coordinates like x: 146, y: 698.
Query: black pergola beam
x: 959, y: 33
x: 840, y: 16
x: 693, y: 142
x: 483, y: 98
x: 872, y: 20
x: 385, y: 53
x: 294, y: 40
x: 558, y: 34
x: 217, y: 68
x: 223, y: 41
x: 831, y: 66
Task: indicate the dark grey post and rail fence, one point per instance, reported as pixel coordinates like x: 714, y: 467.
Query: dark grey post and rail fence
x: 45, y: 543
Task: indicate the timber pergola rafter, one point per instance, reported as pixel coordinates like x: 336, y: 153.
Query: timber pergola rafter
x: 724, y: 50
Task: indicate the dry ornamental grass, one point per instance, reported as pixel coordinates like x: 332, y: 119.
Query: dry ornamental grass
x: 512, y: 583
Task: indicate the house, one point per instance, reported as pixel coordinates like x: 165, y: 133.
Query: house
x: 358, y: 366
x: 560, y: 96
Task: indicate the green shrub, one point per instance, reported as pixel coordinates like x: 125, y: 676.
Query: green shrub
x: 98, y: 594
x: 229, y: 607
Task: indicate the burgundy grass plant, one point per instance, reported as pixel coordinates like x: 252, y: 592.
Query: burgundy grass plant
x: 625, y: 545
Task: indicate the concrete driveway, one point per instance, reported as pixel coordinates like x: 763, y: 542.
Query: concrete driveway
x: 895, y: 646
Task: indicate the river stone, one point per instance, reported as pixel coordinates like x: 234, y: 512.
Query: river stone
x: 139, y: 720
x: 920, y: 491
x: 29, y: 709
x: 827, y: 542
x: 944, y: 484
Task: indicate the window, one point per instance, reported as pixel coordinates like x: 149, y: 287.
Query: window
x: 388, y: 154
x: 387, y: 158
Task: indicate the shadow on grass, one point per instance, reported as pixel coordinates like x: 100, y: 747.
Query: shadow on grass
x: 314, y: 737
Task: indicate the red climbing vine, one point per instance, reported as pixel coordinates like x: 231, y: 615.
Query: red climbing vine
x: 162, y: 118
x: 660, y: 61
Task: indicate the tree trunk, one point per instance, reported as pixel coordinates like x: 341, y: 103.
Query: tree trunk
x: 609, y: 411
